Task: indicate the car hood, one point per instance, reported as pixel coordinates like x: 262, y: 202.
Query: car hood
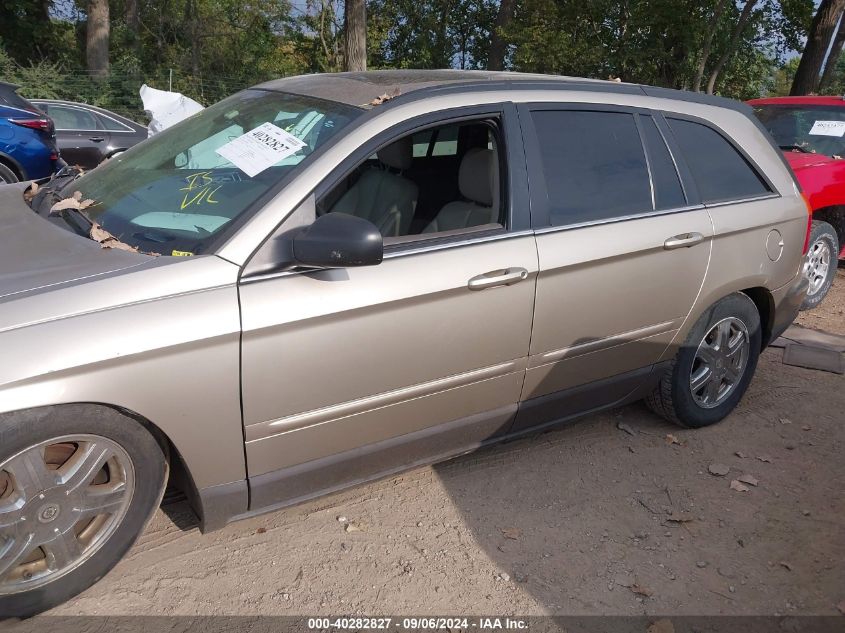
x: 802, y: 160
x: 36, y: 255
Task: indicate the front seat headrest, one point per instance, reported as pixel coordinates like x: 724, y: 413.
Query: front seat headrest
x: 398, y: 154
x: 478, y: 177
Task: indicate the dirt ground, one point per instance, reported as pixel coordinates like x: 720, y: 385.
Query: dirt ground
x: 587, y: 519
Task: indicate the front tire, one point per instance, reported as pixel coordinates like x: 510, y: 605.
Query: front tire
x: 77, y: 485
x: 712, y: 370
x: 823, y: 258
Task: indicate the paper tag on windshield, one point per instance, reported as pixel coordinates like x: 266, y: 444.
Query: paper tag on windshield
x: 260, y: 148
x: 828, y: 128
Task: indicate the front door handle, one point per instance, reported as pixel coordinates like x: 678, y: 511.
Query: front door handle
x: 506, y: 277
x: 97, y: 139
x: 684, y: 240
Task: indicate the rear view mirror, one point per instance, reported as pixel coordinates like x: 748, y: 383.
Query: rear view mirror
x: 338, y: 240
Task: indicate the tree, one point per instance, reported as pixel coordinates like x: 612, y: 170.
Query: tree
x: 355, y: 26
x: 821, y: 30
x: 712, y: 26
x: 742, y: 22
x: 833, y: 57
x: 97, y: 38
x: 498, y: 46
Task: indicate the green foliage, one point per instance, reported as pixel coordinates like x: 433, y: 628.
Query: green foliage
x: 210, y: 48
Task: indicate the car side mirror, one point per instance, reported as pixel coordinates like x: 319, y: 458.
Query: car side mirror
x: 338, y: 240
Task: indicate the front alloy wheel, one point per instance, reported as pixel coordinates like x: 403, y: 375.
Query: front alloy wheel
x: 78, y: 482
x: 60, y: 500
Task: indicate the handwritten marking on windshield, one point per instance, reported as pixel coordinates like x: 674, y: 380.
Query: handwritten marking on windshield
x: 200, y: 187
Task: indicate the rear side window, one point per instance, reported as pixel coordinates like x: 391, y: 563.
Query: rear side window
x: 594, y: 165
x: 110, y: 124
x: 719, y: 170
x: 668, y: 193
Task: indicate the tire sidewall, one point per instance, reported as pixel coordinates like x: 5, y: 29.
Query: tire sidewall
x: 20, y: 430
x: 823, y: 231
x: 7, y: 176
x: 691, y: 414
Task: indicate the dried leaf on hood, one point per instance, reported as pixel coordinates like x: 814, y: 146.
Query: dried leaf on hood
x: 107, y: 240
x: 74, y: 202
x: 29, y: 194
x: 67, y: 203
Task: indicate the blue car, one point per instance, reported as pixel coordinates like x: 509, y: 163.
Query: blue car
x: 27, y: 139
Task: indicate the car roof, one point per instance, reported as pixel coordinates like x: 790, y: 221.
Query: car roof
x: 119, y: 117
x: 362, y: 88
x: 838, y: 102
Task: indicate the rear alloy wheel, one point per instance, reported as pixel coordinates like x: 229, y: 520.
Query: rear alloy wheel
x: 71, y: 503
x: 822, y: 260
x: 713, y: 368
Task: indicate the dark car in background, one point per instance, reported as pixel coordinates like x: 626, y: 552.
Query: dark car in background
x: 87, y: 135
x: 27, y: 139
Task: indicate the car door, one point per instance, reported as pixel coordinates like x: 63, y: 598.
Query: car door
x: 79, y: 134
x: 623, y: 250
x: 350, y: 373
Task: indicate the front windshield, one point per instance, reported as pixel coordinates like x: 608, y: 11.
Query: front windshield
x: 805, y: 128
x: 174, y: 193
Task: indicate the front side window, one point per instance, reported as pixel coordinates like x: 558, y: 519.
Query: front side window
x: 720, y: 172
x: 594, y: 165
x: 181, y: 188
x: 443, y: 179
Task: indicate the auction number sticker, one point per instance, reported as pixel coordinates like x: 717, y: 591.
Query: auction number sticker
x: 828, y: 128
x: 260, y: 148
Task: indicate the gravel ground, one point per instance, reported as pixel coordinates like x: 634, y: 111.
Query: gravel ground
x: 587, y: 519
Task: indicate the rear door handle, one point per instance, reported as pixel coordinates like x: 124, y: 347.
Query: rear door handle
x: 506, y: 277
x: 97, y: 139
x: 684, y: 240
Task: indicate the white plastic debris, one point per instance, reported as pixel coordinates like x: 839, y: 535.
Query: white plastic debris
x: 166, y: 108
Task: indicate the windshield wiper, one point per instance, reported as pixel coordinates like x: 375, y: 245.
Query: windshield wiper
x: 799, y: 148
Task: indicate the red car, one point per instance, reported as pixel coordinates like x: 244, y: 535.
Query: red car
x: 811, y: 133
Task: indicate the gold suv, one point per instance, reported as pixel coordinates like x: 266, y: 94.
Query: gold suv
x: 327, y: 279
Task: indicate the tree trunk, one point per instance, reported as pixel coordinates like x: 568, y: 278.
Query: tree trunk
x: 744, y: 18
x: 97, y: 38
x: 821, y: 30
x: 833, y: 56
x: 498, y: 46
x: 355, y: 20
x: 708, y: 43
x: 133, y: 27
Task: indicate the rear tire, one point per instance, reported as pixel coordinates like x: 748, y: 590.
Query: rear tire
x: 823, y: 259
x: 712, y: 370
x: 7, y: 176
x: 64, y: 527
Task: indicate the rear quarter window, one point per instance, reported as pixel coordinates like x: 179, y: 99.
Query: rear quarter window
x: 720, y: 172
